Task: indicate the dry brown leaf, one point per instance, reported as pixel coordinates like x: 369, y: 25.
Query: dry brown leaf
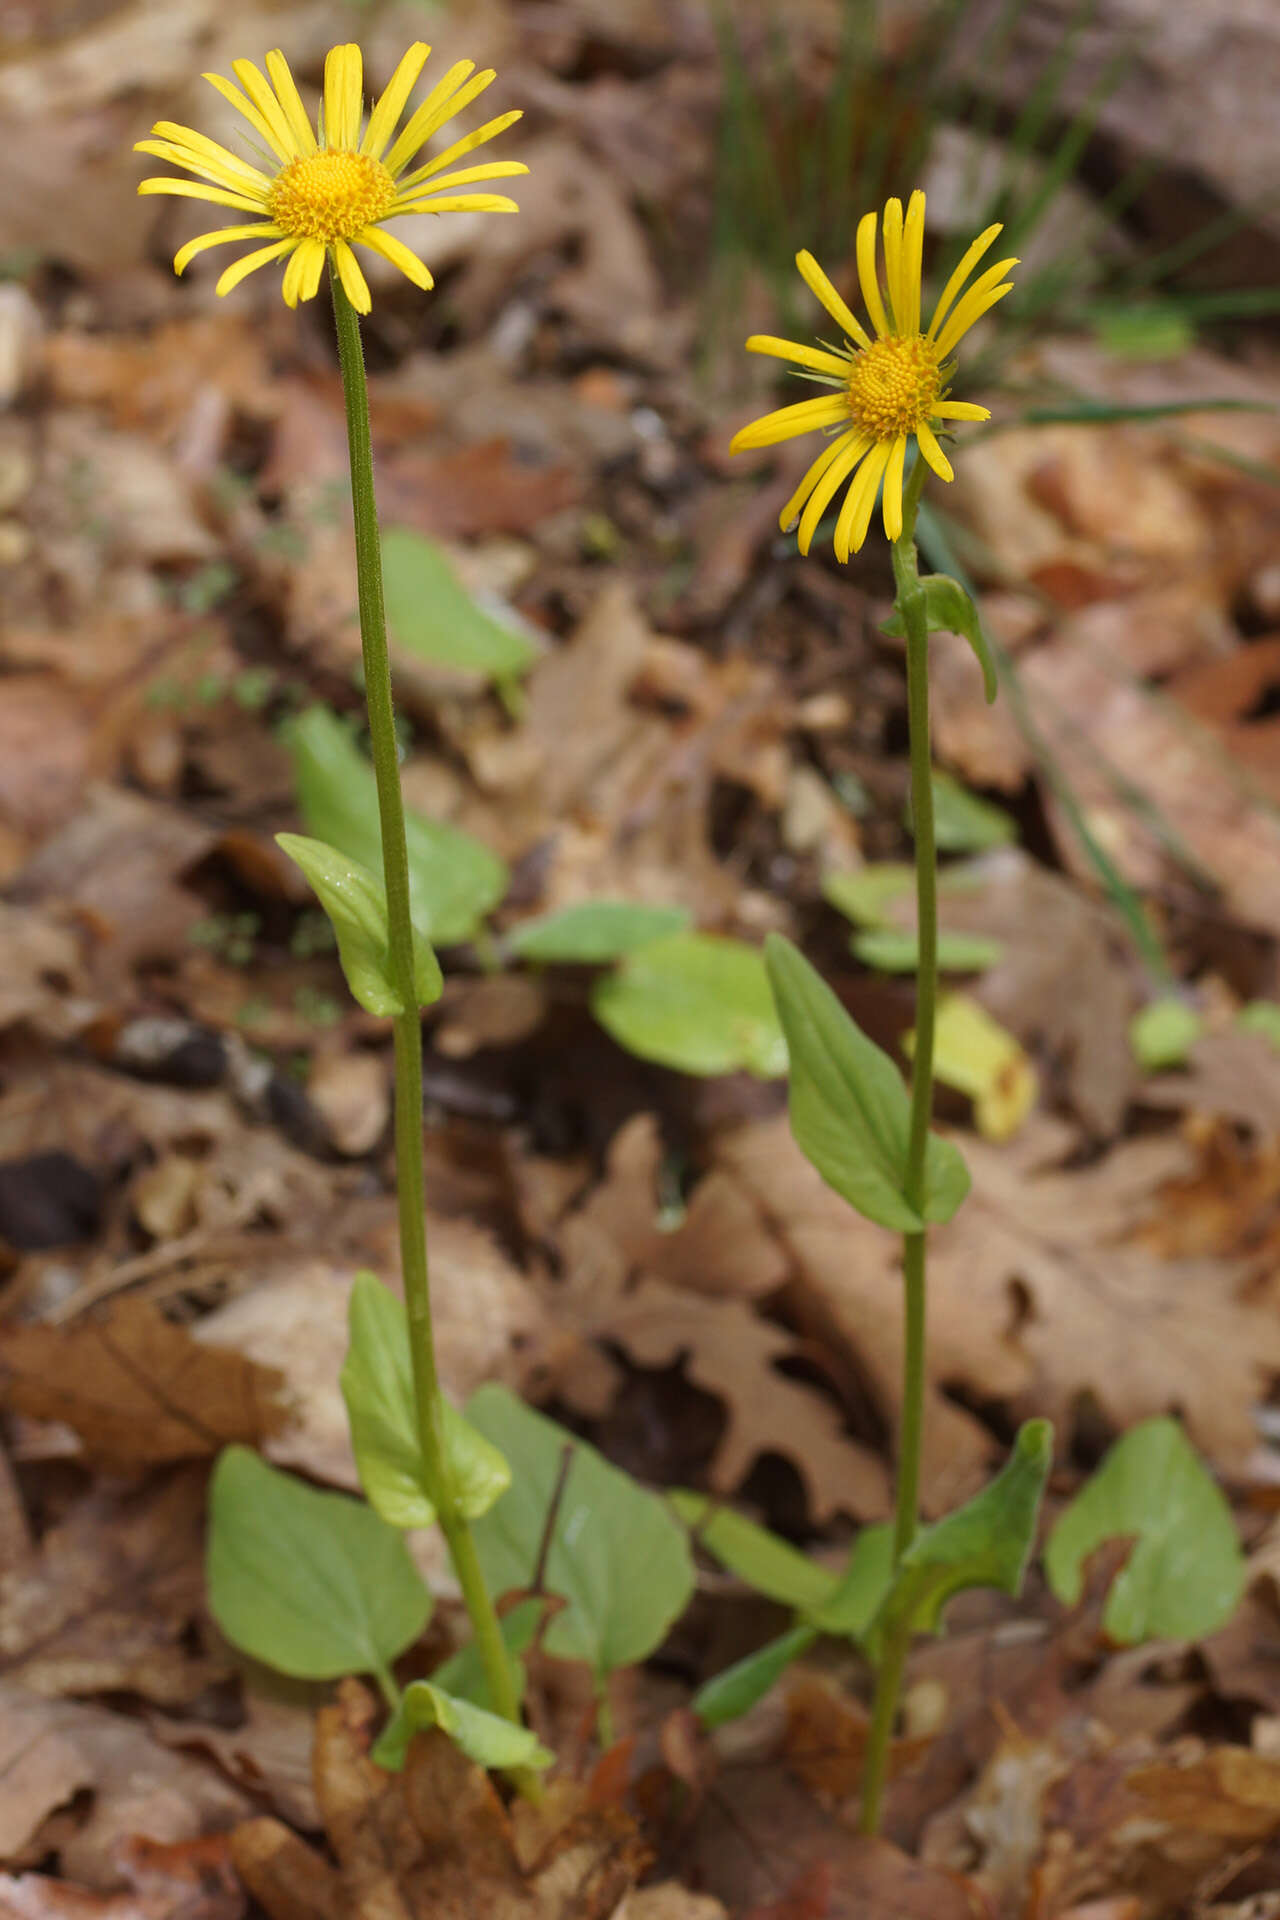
x: 1231, y: 1075
x: 1038, y: 1294
x: 137, y: 1388
x: 826, y: 1738
x: 103, y: 1780
x: 728, y: 1350
x: 188, y: 1880
x: 105, y: 1604
x: 431, y: 1843
x: 268, y: 1753
x: 719, y: 1247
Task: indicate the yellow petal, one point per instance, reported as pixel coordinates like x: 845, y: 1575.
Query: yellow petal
x: 972, y: 304
x: 912, y: 262
x: 196, y: 190
x: 250, y: 264
x: 391, y: 101
x: 893, y: 261
x: 209, y: 151
x: 291, y: 284
x: 459, y: 203
x: 958, y: 410
x: 259, y: 90
x: 343, y: 96
x: 968, y: 262
x: 786, y: 422
x: 932, y: 452
x: 256, y: 230
x: 819, y: 358
x: 242, y: 104
x: 397, y: 253
x: 892, y: 503
x: 488, y: 131
x: 311, y: 255
x: 290, y: 99
x: 491, y: 170
x: 855, y: 514
x: 193, y: 162
x: 852, y: 450
x: 353, y: 281
x: 867, y: 280
x: 817, y: 282
x: 427, y: 117
x: 832, y: 450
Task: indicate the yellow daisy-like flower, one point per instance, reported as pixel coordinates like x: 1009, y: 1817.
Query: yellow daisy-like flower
x: 323, y: 191
x: 887, y: 387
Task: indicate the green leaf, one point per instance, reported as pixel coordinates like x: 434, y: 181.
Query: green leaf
x: 860, y: 1592
x: 593, y: 932
x: 767, y: 1564
x: 985, y: 1543
x: 1186, y: 1571
x: 313, y: 1584
x: 849, y: 1108
x: 897, y: 950
x: 948, y: 609
x: 1163, y: 1033
x: 697, y: 1002
x: 864, y: 894
x: 463, y: 1672
x: 431, y: 614
x: 356, y: 905
x: 377, y: 1385
x: 1261, y: 1016
x: 484, y: 1737
x: 618, y: 1557
x: 454, y: 879
x: 964, y: 823
x: 735, y: 1691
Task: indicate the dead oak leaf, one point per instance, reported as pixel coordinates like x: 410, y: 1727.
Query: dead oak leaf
x: 106, y: 1602
x: 136, y: 1388
x: 188, y: 1880
x: 1040, y: 1293
x: 730, y: 1351
x: 431, y: 1843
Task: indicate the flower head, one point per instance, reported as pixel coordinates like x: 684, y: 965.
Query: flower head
x: 321, y: 190
x: 885, y: 387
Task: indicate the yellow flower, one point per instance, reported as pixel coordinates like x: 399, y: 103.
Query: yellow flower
x: 887, y: 387
x: 323, y: 191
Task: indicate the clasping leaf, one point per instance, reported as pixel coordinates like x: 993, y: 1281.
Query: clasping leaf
x: 356, y: 904
x: 948, y: 609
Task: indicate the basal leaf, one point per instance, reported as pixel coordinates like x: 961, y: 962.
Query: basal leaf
x: 897, y: 950
x: 848, y: 1105
x: 618, y: 1557
x: 454, y: 879
x: 965, y: 823
x: 463, y: 1674
x: 766, y: 1563
x: 313, y: 1584
x: 431, y: 614
x: 356, y: 904
x: 1186, y: 1572
x: 697, y: 1002
x: 728, y: 1695
x: 857, y: 1597
x: 593, y: 932
x: 1163, y: 1033
x: 377, y: 1385
x: 484, y: 1737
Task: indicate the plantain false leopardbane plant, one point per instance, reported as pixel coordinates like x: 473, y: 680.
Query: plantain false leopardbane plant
x: 883, y: 393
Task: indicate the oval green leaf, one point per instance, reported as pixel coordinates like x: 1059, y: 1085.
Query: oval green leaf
x: 697, y: 1002
x: 311, y: 1583
x: 618, y: 1557
x: 431, y: 614
x: 735, y: 1691
x: 593, y: 932
x: 1186, y: 1572
x: 377, y: 1385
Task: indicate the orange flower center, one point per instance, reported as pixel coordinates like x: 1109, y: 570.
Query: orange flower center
x: 892, y: 385
x: 331, y: 195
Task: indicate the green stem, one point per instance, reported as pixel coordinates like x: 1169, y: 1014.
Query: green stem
x: 407, y: 1026
x: 910, y: 601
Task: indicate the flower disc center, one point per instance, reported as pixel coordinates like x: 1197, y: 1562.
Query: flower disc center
x: 331, y: 195
x: 892, y: 385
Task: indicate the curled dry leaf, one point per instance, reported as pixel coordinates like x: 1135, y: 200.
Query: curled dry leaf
x: 433, y: 1842
x: 138, y: 1389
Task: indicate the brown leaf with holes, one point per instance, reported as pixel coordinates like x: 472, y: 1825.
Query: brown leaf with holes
x: 435, y: 1841
x: 105, y: 1603
x: 136, y: 1388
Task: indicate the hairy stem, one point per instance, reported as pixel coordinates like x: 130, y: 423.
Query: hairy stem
x: 910, y: 601
x: 407, y: 1026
